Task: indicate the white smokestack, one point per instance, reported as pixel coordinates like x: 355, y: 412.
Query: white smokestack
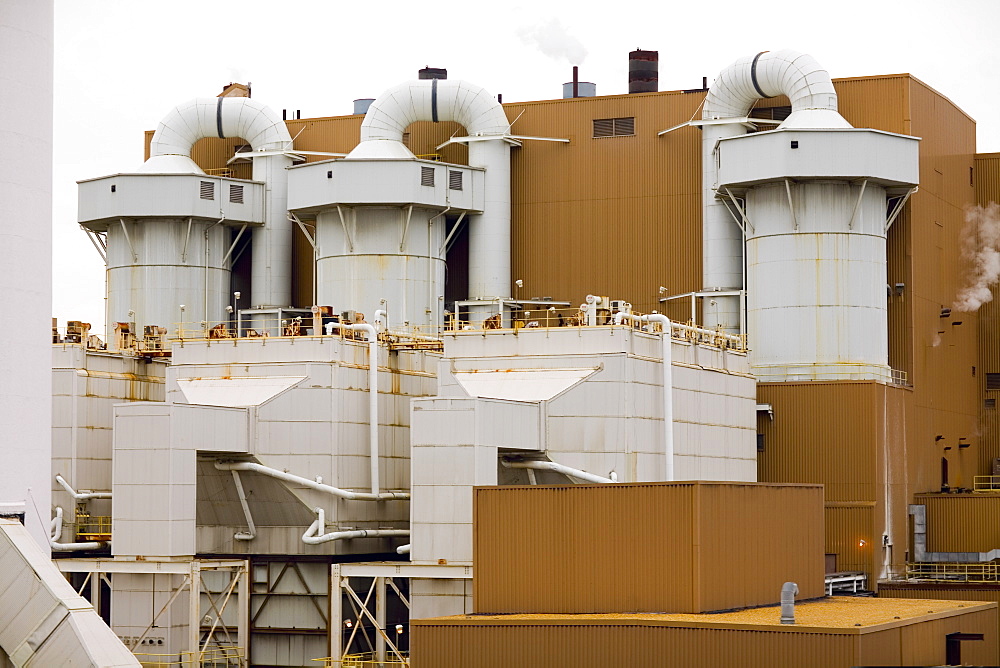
x: 981, y: 249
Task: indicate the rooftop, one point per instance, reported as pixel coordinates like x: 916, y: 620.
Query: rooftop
x: 837, y: 614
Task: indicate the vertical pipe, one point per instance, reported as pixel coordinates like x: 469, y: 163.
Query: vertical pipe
x: 576, y: 81
x: 373, y: 408
x: 271, y: 281
x: 489, y: 232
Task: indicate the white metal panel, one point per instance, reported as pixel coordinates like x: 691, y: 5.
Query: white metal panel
x: 520, y: 384
x: 321, y: 185
x: 853, y: 153
x: 239, y: 391
x: 167, y: 195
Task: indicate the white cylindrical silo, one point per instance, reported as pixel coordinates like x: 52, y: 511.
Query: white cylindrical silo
x: 356, y: 272
x: 26, y: 262
x: 271, y: 278
x: 766, y: 74
x: 817, y: 274
x: 174, y: 264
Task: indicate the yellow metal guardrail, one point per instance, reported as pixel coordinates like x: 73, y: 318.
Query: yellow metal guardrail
x: 219, y: 657
x: 366, y: 660
x: 93, y: 527
x: 954, y: 572
x: 986, y: 483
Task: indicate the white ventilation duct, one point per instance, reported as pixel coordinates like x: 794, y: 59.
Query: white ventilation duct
x: 220, y: 117
x: 764, y: 75
x: 482, y: 116
x: 263, y: 129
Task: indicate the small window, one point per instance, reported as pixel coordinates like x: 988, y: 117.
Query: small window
x: 235, y: 194
x: 454, y: 180
x: 208, y: 190
x: 989, y: 403
x: 993, y: 381
x: 427, y: 176
x: 406, y: 139
x: 760, y: 442
x: 614, y: 127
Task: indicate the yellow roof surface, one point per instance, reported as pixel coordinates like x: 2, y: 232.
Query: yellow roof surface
x: 836, y: 614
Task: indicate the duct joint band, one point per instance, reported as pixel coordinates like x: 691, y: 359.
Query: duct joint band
x: 753, y: 77
x: 434, y: 100
x: 218, y: 118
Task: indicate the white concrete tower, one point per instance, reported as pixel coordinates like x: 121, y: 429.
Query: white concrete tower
x: 26, y: 262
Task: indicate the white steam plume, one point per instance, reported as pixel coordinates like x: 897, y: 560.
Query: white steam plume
x: 980, y: 241
x: 552, y: 39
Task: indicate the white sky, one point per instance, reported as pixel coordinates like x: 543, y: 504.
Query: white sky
x: 121, y: 65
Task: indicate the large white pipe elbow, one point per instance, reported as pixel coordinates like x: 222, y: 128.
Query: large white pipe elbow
x: 219, y: 117
x: 771, y: 73
x: 469, y: 105
x: 56, y: 527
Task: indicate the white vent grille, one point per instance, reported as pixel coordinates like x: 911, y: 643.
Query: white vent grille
x: 235, y: 194
x: 614, y: 127
x: 427, y: 176
x: 208, y: 190
x: 454, y: 180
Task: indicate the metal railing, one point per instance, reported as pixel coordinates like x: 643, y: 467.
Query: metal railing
x: 217, y: 657
x: 954, y: 572
x: 984, y: 484
x: 366, y: 660
x: 93, y: 527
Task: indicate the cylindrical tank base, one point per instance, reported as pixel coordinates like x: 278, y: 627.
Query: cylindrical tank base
x: 385, y: 263
x: 816, y: 279
x: 170, y: 269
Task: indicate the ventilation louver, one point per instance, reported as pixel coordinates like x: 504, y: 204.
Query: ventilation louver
x: 427, y: 176
x: 208, y: 190
x: 454, y: 180
x: 235, y: 194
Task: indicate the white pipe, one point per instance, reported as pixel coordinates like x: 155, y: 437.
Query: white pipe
x: 372, y: 394
x: 482, y: 116
x: 558, y: 468
x: 252, y: 533
x: 56, y: 527
x: 403, y: 549
x: 220, y: 117
x: 81, y: 496
x: 305, y: 482
x: 814, y: 105
x: 315, y: 535
x: 788, y: 592
x: 382, y: 317
x: 668, y: 382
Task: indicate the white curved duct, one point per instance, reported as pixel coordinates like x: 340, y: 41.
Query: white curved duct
x: 482, y: 116
x: 219, y: 117
x: 814, y: 105
x: 264, y: 130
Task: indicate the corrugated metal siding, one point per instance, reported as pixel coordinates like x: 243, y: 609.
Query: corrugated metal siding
x: 846, y: 528
x: 559, y: 646
x: 823, y: 432
x: 488, y: 643
x: 945, y: 389
x: 679, y: 547
x: 625, y: 223
x: 988, y: 593
x: 987, y: 179
x: 962, y: 522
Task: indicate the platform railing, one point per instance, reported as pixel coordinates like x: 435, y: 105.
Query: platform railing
x: 985, y: 484
x: 954, y: 571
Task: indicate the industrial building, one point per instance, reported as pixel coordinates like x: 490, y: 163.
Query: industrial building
x: 324, y: 334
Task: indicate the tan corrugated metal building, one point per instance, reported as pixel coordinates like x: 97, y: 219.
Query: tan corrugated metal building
x: 833, y: 633
x: 644, y: 547
x: 621, y: 216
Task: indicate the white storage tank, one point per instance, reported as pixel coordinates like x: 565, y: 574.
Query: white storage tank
x: 814, y: 205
